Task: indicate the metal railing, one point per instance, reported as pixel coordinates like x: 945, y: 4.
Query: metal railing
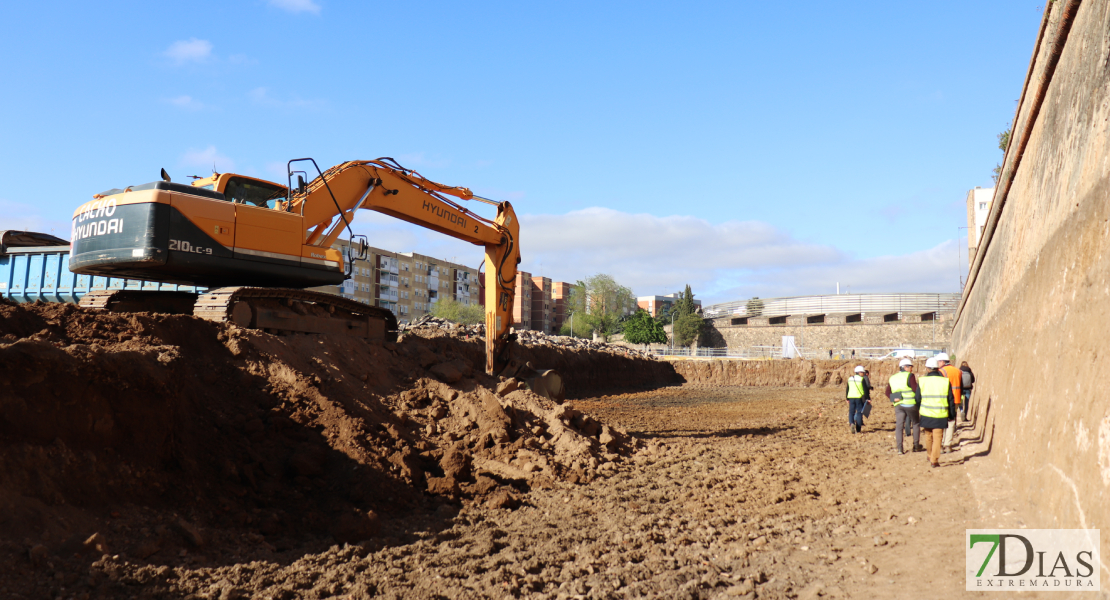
x: 750, y: 353
x: 842, y: 303
x: 775, y: 351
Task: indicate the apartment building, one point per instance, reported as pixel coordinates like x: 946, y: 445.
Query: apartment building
x: 978, y: 207
x: 464, y: 286
x: 543, y: 312
x: 654, y: 305
x: 522, y: 305
x: 406, y: 283
x: 409, y: 284
x: 560, y: 297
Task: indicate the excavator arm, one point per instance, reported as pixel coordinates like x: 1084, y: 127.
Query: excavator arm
x: 330, y: 202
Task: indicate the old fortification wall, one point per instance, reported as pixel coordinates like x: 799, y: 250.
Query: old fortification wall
x: 819, y: 336
x: 1033, y: 320
x: 871, y: 332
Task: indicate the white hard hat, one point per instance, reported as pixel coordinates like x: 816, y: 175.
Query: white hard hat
x: 860, y: 369
x: 931, y: 363
x: 905, y: 362
x: 943, y: 356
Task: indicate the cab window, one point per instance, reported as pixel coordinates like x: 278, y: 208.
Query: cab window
x: 257, y: 193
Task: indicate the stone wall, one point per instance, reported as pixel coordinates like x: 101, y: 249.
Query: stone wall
x: 1033, y: 321
x: 832, y: 336
x: 787, y: 373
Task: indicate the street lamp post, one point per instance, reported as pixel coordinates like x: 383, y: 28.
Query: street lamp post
x: 672, y: 332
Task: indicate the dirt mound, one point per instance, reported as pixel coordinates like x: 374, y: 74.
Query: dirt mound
x: 587, y: 367
x: 168, y: 433
x: 786, y: 373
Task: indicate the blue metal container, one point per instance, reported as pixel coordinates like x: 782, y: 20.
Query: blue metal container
x: 42, y: 273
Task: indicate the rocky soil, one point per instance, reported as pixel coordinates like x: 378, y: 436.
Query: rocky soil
x: 528, y: 337
x: 789, y: 373
x: 161, y: 457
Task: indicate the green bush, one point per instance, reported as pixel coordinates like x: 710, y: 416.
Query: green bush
x: 642, y: 329
x: 452, y: 310
x: 687, y: 328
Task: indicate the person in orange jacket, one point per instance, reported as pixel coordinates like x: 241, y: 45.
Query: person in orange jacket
x: 955, y: 378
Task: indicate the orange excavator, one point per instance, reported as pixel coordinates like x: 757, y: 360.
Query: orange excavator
x: 257, y: 245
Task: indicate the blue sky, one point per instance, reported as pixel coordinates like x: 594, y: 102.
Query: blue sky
x: 744, y: 148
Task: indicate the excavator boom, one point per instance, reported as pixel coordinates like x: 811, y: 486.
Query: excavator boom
x: 331, y: 200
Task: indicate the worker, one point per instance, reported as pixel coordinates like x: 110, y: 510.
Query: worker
x: 955, y: 379
x: 905, y: 396
x: 858, y: 388
x: 937, y: 409
x: 967, y: 382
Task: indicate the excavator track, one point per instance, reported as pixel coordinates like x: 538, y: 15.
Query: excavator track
x: 174, y: 303
x: 282, y: 310
x: 278, y: 310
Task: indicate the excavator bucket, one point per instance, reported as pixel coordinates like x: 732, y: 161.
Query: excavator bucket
x: 547, y: 383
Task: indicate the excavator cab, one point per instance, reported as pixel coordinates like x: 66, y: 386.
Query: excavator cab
x: 240, y: 189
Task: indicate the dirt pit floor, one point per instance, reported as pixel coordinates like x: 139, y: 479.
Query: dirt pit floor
x: 732, y: 493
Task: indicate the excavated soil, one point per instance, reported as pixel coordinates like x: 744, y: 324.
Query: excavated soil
x: 164, y: 457
x: 784, y: 373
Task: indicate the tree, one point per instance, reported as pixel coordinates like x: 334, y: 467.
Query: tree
x: 754, y: 307
x: 687, y: 322
x: 1003, y: 143
x: 598, y: 304
x: 579, y: 322
x: 642, y: 329
x: 685, y: 304
x: 687, y: 329
x: 452, y: 310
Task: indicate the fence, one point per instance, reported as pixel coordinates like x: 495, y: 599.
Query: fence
x: 772, y: 352
x: 841, y: 303
x: 750, y: 353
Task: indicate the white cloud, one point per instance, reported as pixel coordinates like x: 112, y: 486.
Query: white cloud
x: 933, y: 270
x: 722, y: 262
x: 658, y: 254
x: 296, y: 6
x: 186, y: 103
x: 207, y: 158
x: 263, y: 97
x: 190, y: 50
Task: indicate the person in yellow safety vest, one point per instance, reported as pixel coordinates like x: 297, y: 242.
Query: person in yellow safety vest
x: 937, y: 409
x: 955, y: 379
x: 905, y: 396
x: 857, y: 392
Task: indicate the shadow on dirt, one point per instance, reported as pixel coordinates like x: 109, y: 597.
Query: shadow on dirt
x: 723, y: 433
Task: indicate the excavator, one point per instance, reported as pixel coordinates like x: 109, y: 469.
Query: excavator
x: 257, y: 245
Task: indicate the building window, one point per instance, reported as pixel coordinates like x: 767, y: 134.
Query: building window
x: 982, y: 206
